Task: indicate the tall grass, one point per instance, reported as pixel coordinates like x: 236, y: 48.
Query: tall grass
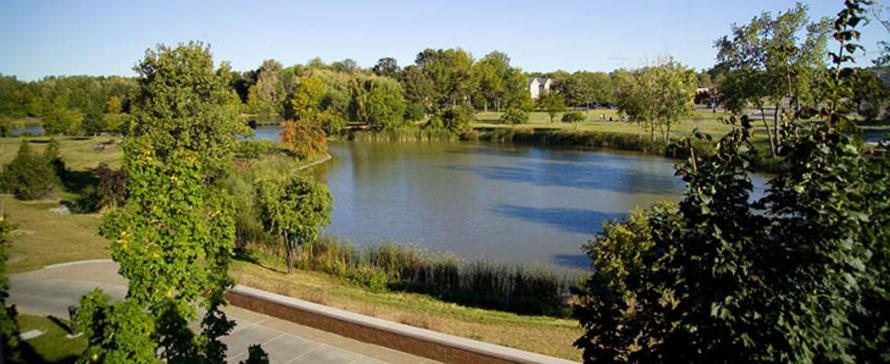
x: 521, y: 289
x: 408, y: 134
x: 579, y: 138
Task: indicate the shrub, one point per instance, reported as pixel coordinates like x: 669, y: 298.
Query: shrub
x: 88, y: 201
x: 514, y: 116
x: 459, y: 118
x: 304, y: 139
x: 63, y: 121
x: 414, y: 111
x: 573, y: 116
x: 112, y: 185
x: 255, y: 149
x: 29, y: 176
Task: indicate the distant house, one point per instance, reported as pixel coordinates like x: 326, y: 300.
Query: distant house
x: 538, y: 86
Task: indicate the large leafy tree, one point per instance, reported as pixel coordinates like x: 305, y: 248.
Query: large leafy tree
x: 450, y: 72
x: 294, y: 208
x: 175, y: 237
x: 378, y: 102
x: 553, y: 103
x: 656, y: 97
x: 491, y: 74
x: 584, y: 88
x: 386, y: 67
x: 768, y: 64
x: 799, y: 276
x: 267, y: 95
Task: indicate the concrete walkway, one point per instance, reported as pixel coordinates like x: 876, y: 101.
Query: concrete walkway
x: 51, y: 290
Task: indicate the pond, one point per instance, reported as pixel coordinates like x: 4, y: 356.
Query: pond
x: 510, y: 203
x: 507, y: 203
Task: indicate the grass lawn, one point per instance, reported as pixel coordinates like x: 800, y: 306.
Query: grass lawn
x: 51, y: 347
x: 79, y: 153
x: 40, y: 237
x: 705, y: 120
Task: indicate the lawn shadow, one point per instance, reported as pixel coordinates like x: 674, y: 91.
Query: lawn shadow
x: 61, y: 324
x: 77, y: 181
x: 245, y: 256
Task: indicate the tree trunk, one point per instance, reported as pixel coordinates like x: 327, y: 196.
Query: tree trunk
x: 769, y: 134
x: 289, y: 252
x: 776, y: 125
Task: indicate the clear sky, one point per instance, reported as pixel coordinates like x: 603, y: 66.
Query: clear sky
x: 98, y: 37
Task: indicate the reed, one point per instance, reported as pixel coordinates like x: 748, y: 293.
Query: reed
x: 538, y: 290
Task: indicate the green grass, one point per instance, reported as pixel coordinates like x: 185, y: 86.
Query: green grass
x: 40, y: 237
x: 51, y: 347
x: 79, y: 153
x: 706, y: 121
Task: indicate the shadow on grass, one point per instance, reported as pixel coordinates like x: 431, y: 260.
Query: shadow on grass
x: 76, y: 181
x: 245, y: 256
x: 31, y: 356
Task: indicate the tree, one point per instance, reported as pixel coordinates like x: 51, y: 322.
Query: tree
x: 767, y: 64
x: 515, y: 116
x: 29, y: 176
x: 174, y: 239
x: 114, y: 105
x: 869, y: 92
x: 516, y: 93
x: 378, y: 102
x: 491, y: 74
x: 386, y: 67
x: 553, y: 103
x: 321, y: 98
x: 294, y: 208
x: 417, y: 86
x: 800, y: 275
x: 656, y: 97
x: 267, y: 95
x: 583, y: 88
x: 450, y: 72
x: 60, y: 121
x: 304, y: 139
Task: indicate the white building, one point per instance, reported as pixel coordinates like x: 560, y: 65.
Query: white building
x: 538, y: 86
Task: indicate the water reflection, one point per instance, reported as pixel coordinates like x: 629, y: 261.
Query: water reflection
x: 514, y: 204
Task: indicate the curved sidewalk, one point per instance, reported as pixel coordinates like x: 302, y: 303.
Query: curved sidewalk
x: 49, y: 291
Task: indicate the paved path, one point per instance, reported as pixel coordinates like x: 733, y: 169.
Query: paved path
x: 51, y: 290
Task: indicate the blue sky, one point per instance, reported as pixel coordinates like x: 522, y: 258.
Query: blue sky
x: 96, y: 37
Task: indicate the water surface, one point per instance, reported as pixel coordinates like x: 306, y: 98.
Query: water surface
x: 508, y: 203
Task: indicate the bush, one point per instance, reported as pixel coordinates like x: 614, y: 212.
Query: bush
x: 414, y: 111
x: 459, y: 118
x: 514, y: 116
x: 573, y: 116
x: 29, y: 176
x: 63, y: 121
x: 255, y: 149
x: 304, y: 139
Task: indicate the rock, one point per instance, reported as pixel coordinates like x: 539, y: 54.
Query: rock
x: 61, y: 210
